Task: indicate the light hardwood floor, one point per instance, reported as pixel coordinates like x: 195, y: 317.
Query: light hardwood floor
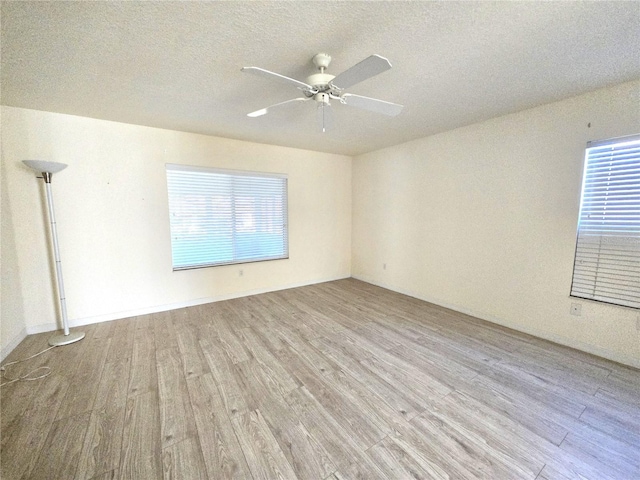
x: 332, y: 381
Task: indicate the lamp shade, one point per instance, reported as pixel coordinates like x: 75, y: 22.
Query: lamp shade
x: 44, y: 166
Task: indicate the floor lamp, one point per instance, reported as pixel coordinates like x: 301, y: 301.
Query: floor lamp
x: 48, y: 169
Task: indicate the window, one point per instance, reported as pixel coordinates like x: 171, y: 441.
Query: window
x: 219, y: 217
x: 607, y: 261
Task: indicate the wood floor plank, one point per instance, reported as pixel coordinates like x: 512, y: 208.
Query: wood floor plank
x: 143, y: 377
x: 616, y: 423
x: 382, y: 339
x: 555, y: 373
x: 499, y: 430
x: 385, y: 417
x: 164, y: 332
x: 343, y: 450
x: 141, y: 439
x: 465, y: 349
x: 112, y: 475
x: 230, y: 392
x: 613, y: 402
x: 314, y: 357
x: 466, y: 449
x: 113, y: 386
x: 405, y: 378
x: 193, y: 359
x: 434, y: 346
x: 565, y: 465
x: 222, y: 453
x: 271, y: 335
x: 277, y: 311
x: 262, y: 392
x: 268, y: 361
x: 23, y: 438
x: 405, y: 327
x: 85, y: 380
x: 623, y: 389
x: 143, y: 325
x: 599, y: 455
x: 297, y: 444
x: 364, y: 429
x: 122, y: 339
x: 307, y: 457
x: 102, y: 442
x: 58, y: 359
x: 446, y: 371
x: 309, y: 322
x: 264, y: 456
x: 561, y: 398
x: 521, y: 410
x: 551, y: 473
x: 528, y: 452
x: 31, y: 345
x: 230, y: 343
x: 426, y: 451
x: 342, y: 346
x: 103, y: 330
x: 103, y: 439
x: 397, y: 463
x: 341, y: 380
x: 626, y: 447
x: 176, y: 416
x: 336, y: 317
x: 348, y: 312
x: 60, y: 453
x: 405, y: 403
x: 16, y: 397
x: 241, y: 312
x: 182, y: 316
x: 183, y: 460
x: 236, y: 316
x: 211, y: 348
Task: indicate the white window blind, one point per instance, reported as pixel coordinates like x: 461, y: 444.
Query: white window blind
x: 607, y: 261
x: 220, y: 217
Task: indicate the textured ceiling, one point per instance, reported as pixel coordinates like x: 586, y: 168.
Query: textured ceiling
x: 177, y: 65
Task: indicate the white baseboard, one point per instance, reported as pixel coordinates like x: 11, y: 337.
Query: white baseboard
x: 567, y: 342
x: 79, y: 322
x: 13, y: 343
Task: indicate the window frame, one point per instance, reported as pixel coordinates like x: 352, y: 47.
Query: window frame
x: 232, y: 174
x: 632, y: 237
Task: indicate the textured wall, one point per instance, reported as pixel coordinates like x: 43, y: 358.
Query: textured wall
x: 483, y: 219
x: 113, y: 220
x: 12, y: 326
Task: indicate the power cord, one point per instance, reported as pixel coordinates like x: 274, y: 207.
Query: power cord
x: 27, y: 377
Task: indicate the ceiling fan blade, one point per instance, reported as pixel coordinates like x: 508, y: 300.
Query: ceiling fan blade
x: 261, y: 72
x: 367, y: 68
x: 324, y: 117
x: 372, y: 104
x: 264, y: 111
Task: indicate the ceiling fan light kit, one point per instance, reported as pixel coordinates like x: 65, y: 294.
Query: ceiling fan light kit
x: 323, y: 87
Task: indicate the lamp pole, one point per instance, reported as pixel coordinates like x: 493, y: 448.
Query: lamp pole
x: 48, y: 169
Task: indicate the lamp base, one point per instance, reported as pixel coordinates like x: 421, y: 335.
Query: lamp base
x: 60, y: 340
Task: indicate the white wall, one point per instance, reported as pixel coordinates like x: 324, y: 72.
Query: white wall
x: 482, y: 219
x: 12, y: 326
x: 113, y: 220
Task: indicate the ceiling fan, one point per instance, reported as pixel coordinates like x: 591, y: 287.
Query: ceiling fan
x: 322, y: 88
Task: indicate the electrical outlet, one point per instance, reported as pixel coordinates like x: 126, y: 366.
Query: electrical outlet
x: 241, y: 272
x: 384, y: 266
x: 576, y: 309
